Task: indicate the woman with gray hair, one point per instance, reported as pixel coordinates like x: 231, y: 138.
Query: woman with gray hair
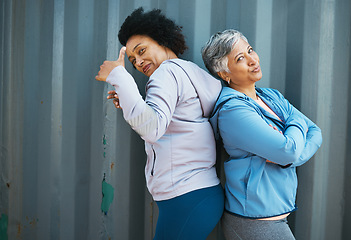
x: 265, y: 137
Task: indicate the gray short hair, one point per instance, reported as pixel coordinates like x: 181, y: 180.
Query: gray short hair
x: 215, y: 51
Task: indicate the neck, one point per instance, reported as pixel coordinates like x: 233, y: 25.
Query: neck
x: 248, y: 91
x: 170, y: 54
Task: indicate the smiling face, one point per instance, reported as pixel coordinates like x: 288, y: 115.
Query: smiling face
x: 146, y: 54
x: 244, y: 66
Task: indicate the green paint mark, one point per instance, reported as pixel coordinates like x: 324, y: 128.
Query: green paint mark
x: 107, y: 196
x: 3, y: 226
x: 104, y: 142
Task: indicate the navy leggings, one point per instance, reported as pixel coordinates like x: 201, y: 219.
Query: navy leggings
x: 190, y: 216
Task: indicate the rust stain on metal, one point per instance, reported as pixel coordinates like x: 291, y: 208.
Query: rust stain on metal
x: 33, y: 222
x: 19, y: 230
x: 112, y: 165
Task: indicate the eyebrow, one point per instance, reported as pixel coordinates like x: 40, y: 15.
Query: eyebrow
x: 136, y: 47
x: 241, y: 52
x: 134, y: 50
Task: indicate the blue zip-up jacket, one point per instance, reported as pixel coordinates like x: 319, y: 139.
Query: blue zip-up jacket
x: 254, y: 187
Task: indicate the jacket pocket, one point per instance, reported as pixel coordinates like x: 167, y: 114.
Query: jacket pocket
x: 154, y: 161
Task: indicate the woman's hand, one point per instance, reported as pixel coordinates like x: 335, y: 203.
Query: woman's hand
x: 108, y: 66
x: 113, y: 95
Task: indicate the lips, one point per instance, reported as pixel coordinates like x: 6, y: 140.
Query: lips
x: 257, y: 69
x: 146, y: 68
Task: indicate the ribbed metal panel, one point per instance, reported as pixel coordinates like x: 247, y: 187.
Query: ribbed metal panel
x: 71, y: 168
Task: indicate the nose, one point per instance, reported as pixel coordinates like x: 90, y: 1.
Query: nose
x: 139, y: 62
x: 252, y: 60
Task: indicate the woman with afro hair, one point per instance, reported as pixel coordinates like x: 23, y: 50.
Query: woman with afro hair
x: 172, y: 120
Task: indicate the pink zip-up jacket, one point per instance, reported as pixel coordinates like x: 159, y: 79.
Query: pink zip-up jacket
x: 173, y: 121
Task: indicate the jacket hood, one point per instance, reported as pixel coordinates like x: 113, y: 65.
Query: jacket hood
x: 206, y: 86
x: 226, y: 94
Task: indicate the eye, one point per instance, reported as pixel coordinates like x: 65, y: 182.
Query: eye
x: 141, y: 51
x: 239, y: 58
x: 250, y: 50
x: 132, y: 61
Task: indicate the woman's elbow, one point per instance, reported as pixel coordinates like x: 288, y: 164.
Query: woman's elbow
x: 149, y: 139
x: 291, y: 153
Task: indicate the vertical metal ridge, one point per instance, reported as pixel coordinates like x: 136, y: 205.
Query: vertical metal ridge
x: 56, y: 169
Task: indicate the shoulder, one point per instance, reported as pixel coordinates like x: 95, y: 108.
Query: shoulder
x: 170, y: 75
x: 177, y: 62
x: 230, y: 98
x: 180, y: 66
x: 171, y: 68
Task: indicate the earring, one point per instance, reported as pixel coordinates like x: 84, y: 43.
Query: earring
x: 228, y: 80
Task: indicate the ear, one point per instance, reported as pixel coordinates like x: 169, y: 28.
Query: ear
x: 223, y: 75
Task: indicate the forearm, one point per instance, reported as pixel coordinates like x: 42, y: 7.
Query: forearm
x: 252, y: 134
x: 130, y: 99
x: 313, y: 142
x: 145, y: 117
x: 313, y: 139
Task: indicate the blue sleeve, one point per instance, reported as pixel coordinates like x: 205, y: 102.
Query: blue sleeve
x: 314, y: 134
x: 313, y: 139
x: 242, y: 127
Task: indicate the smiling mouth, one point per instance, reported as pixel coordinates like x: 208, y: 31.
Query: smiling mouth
x: 146, y: 68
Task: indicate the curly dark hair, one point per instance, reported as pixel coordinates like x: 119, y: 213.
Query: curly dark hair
x: 156, y: 26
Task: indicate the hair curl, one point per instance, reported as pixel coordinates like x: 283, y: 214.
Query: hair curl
x: 156, y: 26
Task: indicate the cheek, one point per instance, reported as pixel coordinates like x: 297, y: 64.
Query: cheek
x: 257, y: 58
x: 237, y: 70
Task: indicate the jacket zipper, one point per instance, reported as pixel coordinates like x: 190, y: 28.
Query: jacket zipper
x: 153, y: 165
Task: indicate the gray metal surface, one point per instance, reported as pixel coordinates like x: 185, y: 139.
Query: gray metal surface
x: 71, y: 168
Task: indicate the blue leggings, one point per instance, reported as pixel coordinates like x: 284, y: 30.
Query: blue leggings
x: 190, y: 216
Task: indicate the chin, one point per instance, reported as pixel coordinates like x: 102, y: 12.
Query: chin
x: 148, y: 74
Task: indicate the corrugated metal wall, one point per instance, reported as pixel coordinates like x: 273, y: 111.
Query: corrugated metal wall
x: 71, y: 168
